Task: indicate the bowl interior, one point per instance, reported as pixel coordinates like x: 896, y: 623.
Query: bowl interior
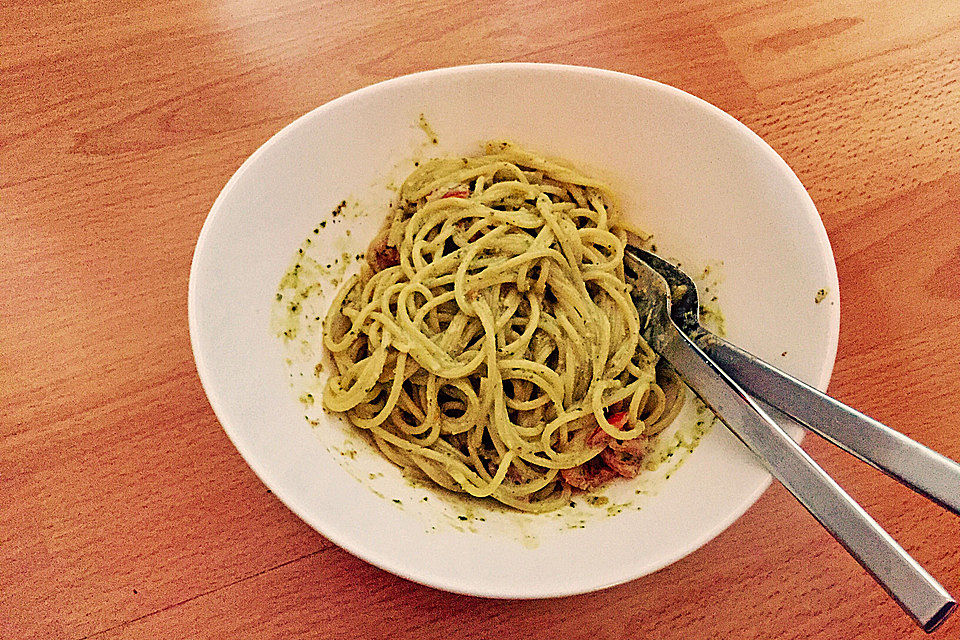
x: 710, y: 191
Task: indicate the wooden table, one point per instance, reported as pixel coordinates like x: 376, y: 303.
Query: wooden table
x: 125, y: 512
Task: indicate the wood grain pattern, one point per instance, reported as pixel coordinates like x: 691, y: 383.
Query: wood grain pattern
x: 124, y: 510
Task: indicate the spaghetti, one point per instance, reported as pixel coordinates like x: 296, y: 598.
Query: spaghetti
x: 490, y: 343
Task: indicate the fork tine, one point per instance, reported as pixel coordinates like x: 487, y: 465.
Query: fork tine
x: 684, y: 299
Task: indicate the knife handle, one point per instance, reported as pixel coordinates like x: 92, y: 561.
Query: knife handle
x: 909, y: 462
x: 920, y: 595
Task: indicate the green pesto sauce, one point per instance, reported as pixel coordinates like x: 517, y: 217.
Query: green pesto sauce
x: 675, y: 447
x: 318, y: 267
x: 427, y: 129
x: 597, y: 501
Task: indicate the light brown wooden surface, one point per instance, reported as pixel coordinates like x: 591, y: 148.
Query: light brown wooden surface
x: 125, y: 512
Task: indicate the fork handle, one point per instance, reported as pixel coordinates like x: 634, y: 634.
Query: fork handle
x: 909, y: 462
x: 904, y: 579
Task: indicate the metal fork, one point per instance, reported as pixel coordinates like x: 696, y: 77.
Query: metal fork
x: 920, y: 595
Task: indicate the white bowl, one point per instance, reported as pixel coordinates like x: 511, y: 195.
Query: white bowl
x: 709, y: 190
